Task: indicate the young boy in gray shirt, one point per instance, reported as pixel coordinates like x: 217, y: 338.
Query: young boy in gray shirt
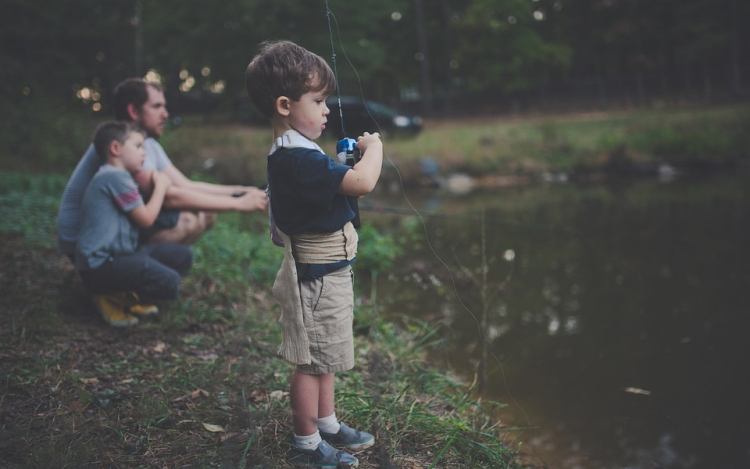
x: 108, y: 257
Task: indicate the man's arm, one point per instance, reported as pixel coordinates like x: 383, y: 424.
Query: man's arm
x: 189, y: 198
x: 180, y: 180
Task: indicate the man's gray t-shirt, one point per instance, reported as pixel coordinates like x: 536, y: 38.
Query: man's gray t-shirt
x: 69, y: 214
x: 105, y: 227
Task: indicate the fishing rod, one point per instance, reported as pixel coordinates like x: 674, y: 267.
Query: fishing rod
x: 335, y: 70
x: 346, y: 147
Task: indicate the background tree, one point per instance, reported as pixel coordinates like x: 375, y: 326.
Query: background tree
x: 61, y: 58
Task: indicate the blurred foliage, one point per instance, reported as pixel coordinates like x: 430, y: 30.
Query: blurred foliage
x: 28, y: 205
x: 62, y: 58
x: 228, y: 253
x: 57, y: 47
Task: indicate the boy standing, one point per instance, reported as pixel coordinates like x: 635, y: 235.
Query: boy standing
x: 107, y: 254
x: 289, y: 85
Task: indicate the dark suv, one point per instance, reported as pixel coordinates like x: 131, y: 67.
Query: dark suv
x: 370, y: 117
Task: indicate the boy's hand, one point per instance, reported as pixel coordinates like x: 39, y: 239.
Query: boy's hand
x: 144, y: 180
x: 160, y: 180
x: 367, y: 140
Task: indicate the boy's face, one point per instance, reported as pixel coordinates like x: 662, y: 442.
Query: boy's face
x: 153, y: 114
x: 308, y: 115
x: 132, y: 154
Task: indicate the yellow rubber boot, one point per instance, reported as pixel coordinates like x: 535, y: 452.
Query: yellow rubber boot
x: 141, y: 309
x: 112, y: 308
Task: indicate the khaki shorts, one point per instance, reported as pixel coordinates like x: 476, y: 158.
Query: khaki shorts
x: 327, y: 310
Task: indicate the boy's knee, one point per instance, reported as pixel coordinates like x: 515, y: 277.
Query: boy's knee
x: 161, y: 284
x: 171, y: 286
x: 184, y: 261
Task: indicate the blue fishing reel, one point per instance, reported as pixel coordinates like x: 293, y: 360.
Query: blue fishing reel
x: 347, y: 152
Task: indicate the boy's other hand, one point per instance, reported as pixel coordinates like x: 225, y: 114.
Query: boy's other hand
x: 144, y: 180
x: 160, y: 180
x: 366, y: 140
x: 252, y: 199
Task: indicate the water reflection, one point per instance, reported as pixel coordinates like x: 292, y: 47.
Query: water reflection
x: 622, y: 331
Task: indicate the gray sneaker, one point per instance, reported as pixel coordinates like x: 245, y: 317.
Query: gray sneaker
x: 349, y: 438
x: 324, y: 456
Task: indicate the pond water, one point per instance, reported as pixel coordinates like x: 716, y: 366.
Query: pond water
x: 616, y: 314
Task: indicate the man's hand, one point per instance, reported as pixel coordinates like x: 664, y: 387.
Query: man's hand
x: 159, y: 180
x: 252, y: 199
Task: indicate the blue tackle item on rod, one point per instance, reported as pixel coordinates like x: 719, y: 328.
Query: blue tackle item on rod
x: 348, y: 154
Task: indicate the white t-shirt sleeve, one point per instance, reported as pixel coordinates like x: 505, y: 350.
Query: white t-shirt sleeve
x: 156, y: 157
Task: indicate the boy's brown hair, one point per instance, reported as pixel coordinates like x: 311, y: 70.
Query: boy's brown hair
x: 108, y: 132
x: 285, y: 69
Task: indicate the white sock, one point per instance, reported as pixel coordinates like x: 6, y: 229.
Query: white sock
x: 329, y: 424
x: 308, y: 442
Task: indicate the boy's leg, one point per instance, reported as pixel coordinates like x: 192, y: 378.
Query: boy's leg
x: 137, y: 272
x: 331, y: 430
x: 326, y: 396
x: 305, y: 398
x: 310, y: 393
x: 312, y: 398
x: 109, y: 296
x: 175, y: 256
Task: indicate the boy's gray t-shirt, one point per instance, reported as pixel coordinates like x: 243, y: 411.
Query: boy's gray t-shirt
x: 105, y: 228
x: 68, y: 217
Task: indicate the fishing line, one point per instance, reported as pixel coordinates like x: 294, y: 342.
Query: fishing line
x: 330, y: 14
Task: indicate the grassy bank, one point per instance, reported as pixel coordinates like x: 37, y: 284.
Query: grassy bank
x: 201, y: 386
x: 578, y: 144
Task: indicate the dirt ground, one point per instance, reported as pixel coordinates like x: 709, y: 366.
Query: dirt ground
x: 168, y: 393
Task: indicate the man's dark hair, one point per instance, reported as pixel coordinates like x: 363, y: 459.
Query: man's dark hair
x: 110, y: 131
x: 285, y: 69
x: 131, y: 91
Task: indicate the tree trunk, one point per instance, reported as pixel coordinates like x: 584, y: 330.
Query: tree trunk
x: 424, y: 64
x: 736, y: 79
x: 447, y: 71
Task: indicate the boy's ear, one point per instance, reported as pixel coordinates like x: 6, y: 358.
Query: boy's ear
x: 133, y: 112
x: 283, y: 105
x: 114, y: 148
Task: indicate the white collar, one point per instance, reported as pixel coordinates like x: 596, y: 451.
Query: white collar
x: 294, y: 139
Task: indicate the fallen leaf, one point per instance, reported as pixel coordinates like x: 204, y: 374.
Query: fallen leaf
x: 90, y: 380
x: 213, y: 428
x: 208, y: 356
x: 193, y: 395
x: 637, y: 391
x: 277, y: 395
x: 159, y: 348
